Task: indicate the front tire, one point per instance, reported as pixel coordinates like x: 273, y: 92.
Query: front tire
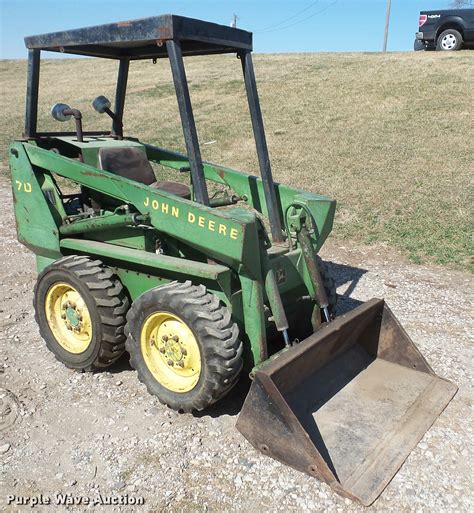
x: 183, y: 345
x: 80, y: 308
x: 449, y: 41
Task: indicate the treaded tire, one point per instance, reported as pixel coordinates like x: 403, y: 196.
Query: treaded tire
x: 329, y: 287
x: 455, y: 34
x: 106, y: 301
x: 215, y: 333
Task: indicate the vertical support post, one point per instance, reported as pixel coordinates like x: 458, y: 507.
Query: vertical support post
x: 187, y: 121
x: 387, y: 23
x: 254, y: 318
x: 120, y: 91
x: 261, y: 144
x: 32, y: 88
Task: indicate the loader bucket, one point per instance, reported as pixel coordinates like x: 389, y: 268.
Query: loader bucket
x: 348, y: 404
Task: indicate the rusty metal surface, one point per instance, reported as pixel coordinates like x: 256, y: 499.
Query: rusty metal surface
x: 348, y: 404
x: 175, y: 52
x: 313, y: 267
x: 178, y: 189
x: 144, y: 38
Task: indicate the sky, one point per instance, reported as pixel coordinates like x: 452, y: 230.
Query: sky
x: 278, y: 26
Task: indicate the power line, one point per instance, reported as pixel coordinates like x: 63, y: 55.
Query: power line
x: 288, y: 19
x: 459, y: 3
x: 304, y: 20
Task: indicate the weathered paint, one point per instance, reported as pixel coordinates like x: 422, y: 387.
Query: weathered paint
x: 36, y: 226
x: 322, y: 208
x: 216, y: 233
x: 232, y: 237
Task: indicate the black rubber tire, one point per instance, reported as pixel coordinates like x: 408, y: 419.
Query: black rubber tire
x: 453, y: 32
x: 216, y: 335
x: 106, y: 301
x: 329, y: 287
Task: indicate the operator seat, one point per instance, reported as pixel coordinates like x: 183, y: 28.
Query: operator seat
x: 132, y: 163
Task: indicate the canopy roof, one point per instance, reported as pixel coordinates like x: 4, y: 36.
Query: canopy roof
x: 144, y: 38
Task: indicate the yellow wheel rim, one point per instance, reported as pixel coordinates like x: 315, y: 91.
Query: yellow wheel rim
x: 68, y: 318
x: 170, y: 351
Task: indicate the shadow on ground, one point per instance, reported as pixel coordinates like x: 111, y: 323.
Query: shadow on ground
x: 343, y: 275
x: 232, y: 405
x: 349, y: 276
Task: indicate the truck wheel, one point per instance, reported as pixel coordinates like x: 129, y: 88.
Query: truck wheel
x: 449, y: 41
x: 329, y: 287
x: 183, y: 345
x: 80, y: 308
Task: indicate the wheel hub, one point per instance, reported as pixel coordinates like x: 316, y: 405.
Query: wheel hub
x: 173, y: 349
x: 171, y: 352
x: 448, y: 42
x: 68, y: 318
x: 72, y: 316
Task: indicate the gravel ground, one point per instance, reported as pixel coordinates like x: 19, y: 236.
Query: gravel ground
x: 91, y: 434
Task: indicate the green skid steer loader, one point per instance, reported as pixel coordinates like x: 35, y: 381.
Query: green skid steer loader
x: 198, y: 289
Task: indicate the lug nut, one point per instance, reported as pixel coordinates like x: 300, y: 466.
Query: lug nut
x: 181, y: 364
x: 164, y: 338
x: 162, y: 350
x: 63, y: 316
x: 183, y: 351
x: 170, y: 362
x: 175, y: 338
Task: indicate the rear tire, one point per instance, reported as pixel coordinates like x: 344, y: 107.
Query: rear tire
x: 183, y: 345
x: 449, y: 41
x: 80, y: 308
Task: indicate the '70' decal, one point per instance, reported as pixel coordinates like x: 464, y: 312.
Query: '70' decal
x: 23, y: 186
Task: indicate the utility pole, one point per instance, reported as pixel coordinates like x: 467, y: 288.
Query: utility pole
x: 233, y: 23
x: 387, y: 21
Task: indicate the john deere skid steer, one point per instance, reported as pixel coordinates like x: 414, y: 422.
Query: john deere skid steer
x: 198, y: 290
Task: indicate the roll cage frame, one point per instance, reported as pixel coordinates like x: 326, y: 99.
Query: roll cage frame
x: 157, y: 37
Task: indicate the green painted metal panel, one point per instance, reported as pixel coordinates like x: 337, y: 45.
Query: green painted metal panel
x: 321, y: 207
x: 137, y: 283
x: 149, y: 260
x: 35, y: 224
x: 91, y: 145
x: 43, y: 262
x: 220, y: 235
x: 126, y: 237
x: 254, y: 319
x: 229, y: 236
x: 289, y: 270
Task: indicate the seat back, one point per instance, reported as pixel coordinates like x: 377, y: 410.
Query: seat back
x: 130, y: 163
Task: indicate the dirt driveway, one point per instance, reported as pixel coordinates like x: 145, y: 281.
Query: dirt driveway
x: 102, y: 435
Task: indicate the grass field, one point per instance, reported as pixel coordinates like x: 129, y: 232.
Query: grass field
x: 389, y: 136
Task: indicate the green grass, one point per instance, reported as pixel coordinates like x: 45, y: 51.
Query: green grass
x: 387, y: 135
